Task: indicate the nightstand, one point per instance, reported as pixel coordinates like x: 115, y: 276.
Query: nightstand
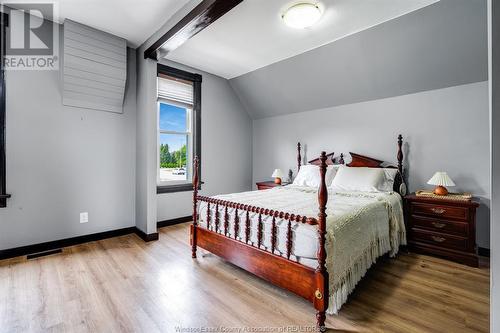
x: 442, y: 227
x: 266, y: 185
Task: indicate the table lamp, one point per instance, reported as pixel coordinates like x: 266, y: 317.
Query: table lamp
x: 277, y: 175
x: 441, y: 179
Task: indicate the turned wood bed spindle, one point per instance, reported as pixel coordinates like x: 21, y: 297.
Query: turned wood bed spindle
x: 208, y: 215
x: 236, y: 222
x: 217, y: 217
x: 247, y: 226
x: 273, y: 232
x: 226, y: 218
x: 289, y: 239
x: 259, y: 228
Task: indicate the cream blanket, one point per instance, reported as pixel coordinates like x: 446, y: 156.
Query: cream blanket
x: 360, y: 228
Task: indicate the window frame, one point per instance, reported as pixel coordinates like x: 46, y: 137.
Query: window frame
x: 196, y: 80
x: 4, y: 24
x: 189, y: 142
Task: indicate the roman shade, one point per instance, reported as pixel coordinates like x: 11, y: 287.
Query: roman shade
x: 175, y: 89
x: 95, y: 68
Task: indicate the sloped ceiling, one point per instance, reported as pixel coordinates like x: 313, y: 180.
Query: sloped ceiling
x: 441, y: 45
x: 132, y: 20
x: 252, y: 35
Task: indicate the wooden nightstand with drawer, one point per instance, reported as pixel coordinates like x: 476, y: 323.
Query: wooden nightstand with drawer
x: 441, y: 227
x: 266, y: 185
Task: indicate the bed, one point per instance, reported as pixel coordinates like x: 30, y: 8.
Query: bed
x: 291, y: 238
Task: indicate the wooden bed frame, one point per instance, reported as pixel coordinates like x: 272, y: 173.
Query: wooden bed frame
x: 311, y: 284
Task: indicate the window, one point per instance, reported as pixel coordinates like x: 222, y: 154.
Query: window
x: 175, y: 142
x: 179, y: 127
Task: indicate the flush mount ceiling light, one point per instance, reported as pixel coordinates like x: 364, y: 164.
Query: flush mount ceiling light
x: 302, y: 15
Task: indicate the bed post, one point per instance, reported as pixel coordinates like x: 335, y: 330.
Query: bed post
x: 299, y: 158
x: 400, y: 154
x: 321, y: 296
x: 195, y: 212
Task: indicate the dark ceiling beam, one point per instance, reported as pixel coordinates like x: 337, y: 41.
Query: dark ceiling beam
x: 207, y: 12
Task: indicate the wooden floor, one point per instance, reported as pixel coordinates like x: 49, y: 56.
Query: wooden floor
x: 125, y: 285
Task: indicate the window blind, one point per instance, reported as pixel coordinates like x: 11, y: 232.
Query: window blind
x: 95, y: 68
x: 175, y: 90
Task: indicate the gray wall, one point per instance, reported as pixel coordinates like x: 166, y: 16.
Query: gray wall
x: 420, y: 74
x: 443, y: 129
x: 226, y: 140
x: 494, y: 20
x: 146, y: 145
x: 226, y: 147
x: 441, y: 45
x: 146, y: 199
x: 64, y: 160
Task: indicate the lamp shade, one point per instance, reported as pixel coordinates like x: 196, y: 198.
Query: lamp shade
x: 441, y: 178
x: 278, y: 174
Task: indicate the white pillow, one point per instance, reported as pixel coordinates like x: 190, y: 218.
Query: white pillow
x: 360, y: 179
x: 309, y: 176
x: 390, y: 175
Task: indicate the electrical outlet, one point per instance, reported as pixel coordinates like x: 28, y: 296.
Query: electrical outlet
x: 84, y: 217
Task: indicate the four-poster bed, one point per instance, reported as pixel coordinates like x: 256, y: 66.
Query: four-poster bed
x: 264, y: 241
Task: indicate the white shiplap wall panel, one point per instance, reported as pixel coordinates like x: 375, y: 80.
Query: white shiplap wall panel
x: 93, y: 91
x: 94, y: 49
x: 95, y: 68
x: 94, y: 56
x: 98, y: 77
x: 86, y: 40
x: 97, y: 103
x: 81, y: 81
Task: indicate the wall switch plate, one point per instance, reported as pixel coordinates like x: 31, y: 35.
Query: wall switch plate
x: 84, y: 217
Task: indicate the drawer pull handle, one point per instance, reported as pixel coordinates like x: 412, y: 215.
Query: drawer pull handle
x: 438, y: 210
x: 438, y: 225
x: 438, y: 239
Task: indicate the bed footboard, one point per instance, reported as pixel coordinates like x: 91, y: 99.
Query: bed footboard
x: 311, y: 284
x: 275, y: 269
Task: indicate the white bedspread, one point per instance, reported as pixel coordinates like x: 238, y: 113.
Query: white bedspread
x: 360, y: 228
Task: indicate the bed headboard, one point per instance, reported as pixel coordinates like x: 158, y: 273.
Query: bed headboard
x: 359, y: 160
x: 316, y: 161
x: 363, y: 161
x: 329, y: 160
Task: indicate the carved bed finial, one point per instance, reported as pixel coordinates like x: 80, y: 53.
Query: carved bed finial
x: 400, y: 154
x: 299, y: 158
x: 341, y: 160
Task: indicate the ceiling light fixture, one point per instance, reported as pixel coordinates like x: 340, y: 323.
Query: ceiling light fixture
x: 302, y: 15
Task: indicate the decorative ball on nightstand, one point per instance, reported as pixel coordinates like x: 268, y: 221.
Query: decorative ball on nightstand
x: 441, y: 179
x: 277, y: 175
